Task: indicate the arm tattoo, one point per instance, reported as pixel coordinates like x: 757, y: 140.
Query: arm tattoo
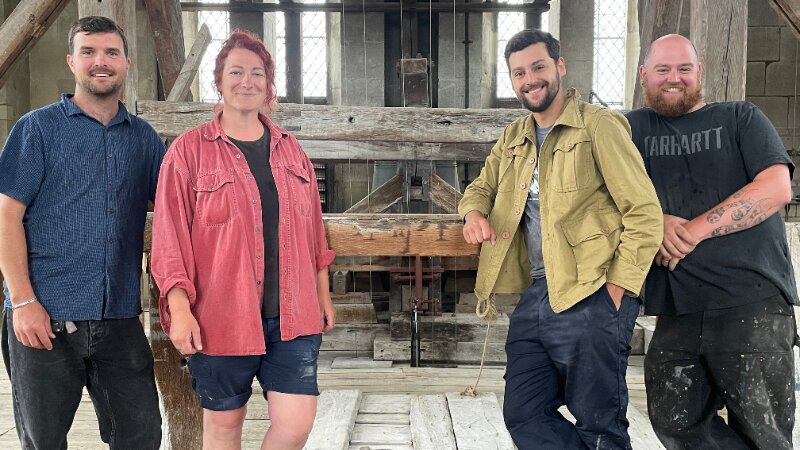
x: 745, y: 213
x: 742, y: 205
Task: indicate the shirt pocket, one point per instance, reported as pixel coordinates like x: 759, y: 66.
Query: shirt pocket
x: 298, y: 181
x: 216, y: 198
x: 506, y: 179
x: 572, y: 161
x: 594, y: 239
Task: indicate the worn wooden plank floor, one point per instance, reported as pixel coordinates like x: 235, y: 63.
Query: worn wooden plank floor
x: 393, y: 401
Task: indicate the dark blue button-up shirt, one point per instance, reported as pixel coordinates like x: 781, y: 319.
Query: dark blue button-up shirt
x: 86, y: 186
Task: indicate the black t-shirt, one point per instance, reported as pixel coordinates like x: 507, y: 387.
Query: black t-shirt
x: 256, y: 153
x: 696, y: 161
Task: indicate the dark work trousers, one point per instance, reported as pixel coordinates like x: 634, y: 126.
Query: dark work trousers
x: 740, y: 358
x: 576, y: 358
x: 112, y: 359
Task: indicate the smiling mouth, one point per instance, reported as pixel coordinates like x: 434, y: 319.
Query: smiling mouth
x: 534, y: 89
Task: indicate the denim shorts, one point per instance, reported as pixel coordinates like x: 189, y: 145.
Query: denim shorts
x: 224, y: 383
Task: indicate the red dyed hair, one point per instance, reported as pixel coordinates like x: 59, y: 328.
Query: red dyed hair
x: 248, y: 41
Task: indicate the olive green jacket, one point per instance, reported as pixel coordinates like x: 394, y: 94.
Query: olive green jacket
x: 600, y: 217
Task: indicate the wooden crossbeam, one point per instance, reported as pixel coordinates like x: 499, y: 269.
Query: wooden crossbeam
x: 352, y: 123
x: 22, y: 29
x: 380, y: 199
x: 387, y: 234
x: 333, y: 151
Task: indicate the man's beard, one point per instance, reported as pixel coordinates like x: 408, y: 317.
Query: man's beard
x: 656, y: 102
x: 546, y: 101
x: 103, y: 92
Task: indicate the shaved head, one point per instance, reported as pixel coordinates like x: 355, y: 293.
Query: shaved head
x: 668, y: 41
x: 672, y: 76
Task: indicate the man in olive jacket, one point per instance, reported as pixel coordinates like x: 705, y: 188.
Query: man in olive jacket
x: 575, y: 229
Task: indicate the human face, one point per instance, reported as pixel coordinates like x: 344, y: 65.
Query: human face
x: 99, y: 64
x: 536, y: 77
x: 244, y: 82
x: 671, y: 77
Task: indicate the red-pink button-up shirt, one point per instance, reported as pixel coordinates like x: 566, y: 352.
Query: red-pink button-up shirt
x: 207, y: 238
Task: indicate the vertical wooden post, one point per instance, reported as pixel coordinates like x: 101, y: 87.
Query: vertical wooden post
x: 180, y: 408
x: 719, y: 32
x: 656, y: 18
x: 123, y: 12
x: 165, y: 19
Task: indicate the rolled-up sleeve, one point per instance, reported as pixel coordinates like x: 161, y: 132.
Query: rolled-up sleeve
x: 173, y: 259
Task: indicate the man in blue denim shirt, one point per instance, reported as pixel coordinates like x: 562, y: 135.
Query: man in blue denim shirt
x: 77, y: 176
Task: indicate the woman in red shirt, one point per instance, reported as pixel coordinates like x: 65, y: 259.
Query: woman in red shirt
x: 241, y: 259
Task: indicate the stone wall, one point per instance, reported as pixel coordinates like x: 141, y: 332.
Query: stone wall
x: 772, y: 71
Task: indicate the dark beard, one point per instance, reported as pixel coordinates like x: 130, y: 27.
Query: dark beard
x: 546, y: 102
x: 110, y: 91
x: 656, y: 102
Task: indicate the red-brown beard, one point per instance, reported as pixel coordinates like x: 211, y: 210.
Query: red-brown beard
x: 657, y: 103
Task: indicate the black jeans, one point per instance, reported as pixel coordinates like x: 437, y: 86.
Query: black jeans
x: 740, y: 358
x: 112, y: 359
x: 576, y: 358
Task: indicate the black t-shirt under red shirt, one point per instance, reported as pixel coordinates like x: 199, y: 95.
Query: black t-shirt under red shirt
x: 257, y: 153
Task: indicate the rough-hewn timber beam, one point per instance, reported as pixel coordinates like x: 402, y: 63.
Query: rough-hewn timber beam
x: 180, y: 90
x: 23, y: 28
x: 719, y: 32
x: 351, y: 123
x: 165, y: 20
x: 656, y: 18
x: 443, y: 195
x: 381, y: 198
x: 388, y: 234
x: 398, y: 151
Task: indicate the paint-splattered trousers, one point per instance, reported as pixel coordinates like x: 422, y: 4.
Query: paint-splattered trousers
x: 739, y: 358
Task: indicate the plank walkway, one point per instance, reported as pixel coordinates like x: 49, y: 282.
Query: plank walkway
x: 380, y: 408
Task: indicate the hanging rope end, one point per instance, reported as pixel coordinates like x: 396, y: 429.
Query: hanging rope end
x: 470, y: 391
x: 486, y: 309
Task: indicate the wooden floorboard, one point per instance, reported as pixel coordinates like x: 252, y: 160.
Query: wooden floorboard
x: 431, y: 425
x: 390, y: 397
x: 478, y: 422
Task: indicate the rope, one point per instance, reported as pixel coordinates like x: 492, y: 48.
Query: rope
x: 489, y: 314
x: 486, y: 310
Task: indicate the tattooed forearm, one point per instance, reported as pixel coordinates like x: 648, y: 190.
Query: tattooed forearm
x: 746, y: 214
x: 740, y: 209
x: 728, y: 229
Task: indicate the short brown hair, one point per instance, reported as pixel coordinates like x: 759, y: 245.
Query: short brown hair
x: 96, y: 24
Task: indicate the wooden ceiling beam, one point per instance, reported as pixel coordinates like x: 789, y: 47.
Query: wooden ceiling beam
x: 22, y: 29
x: 351, y: 123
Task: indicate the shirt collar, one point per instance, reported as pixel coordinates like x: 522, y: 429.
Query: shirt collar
x: 570, y: 116
x: 213, y: 130
x: 71, y: 109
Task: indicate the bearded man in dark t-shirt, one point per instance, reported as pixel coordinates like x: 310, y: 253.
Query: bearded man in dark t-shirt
x: 722, y: 283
